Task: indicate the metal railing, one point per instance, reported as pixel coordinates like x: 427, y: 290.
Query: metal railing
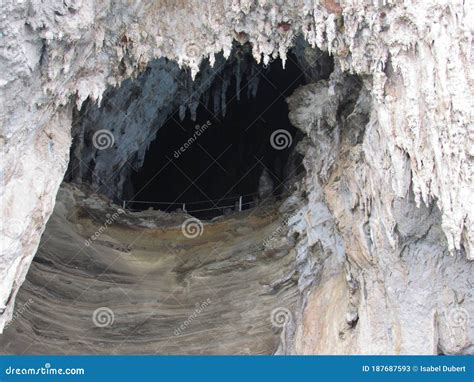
x: 237, y: 201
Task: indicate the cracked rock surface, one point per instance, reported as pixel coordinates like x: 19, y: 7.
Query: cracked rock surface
x: 384, y: 242
x: 141, y: 286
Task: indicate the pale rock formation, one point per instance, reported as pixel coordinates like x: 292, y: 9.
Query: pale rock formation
x: 389, y: 185
x: 265, y: 185
x: 384, y: 280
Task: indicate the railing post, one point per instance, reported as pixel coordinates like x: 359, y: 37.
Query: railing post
x: 123, y: 204
x: 240, y: 204
x: 184, y: 207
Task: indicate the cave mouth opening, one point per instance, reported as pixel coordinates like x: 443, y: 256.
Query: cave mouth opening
x: 234, y: 160
x: 219, y: 143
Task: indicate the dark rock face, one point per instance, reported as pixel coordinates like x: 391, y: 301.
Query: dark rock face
x: 235, y: 94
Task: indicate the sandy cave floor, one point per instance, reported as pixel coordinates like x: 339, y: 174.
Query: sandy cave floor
x: 142, y: 287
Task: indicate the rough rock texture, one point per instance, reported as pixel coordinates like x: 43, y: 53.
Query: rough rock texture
x: 153, y: 283
x: 384, y: 281
x: 408, y: 170
x: 133, y: 113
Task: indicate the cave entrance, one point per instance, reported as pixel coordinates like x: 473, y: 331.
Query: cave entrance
x: 224, y: 161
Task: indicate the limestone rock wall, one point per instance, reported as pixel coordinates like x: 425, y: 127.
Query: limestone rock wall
x: 416, y: 148
x: 384, y: 281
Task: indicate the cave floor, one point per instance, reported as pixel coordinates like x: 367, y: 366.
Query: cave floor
x: 140, y: 286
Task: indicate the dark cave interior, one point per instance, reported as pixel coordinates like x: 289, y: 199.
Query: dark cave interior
x: 209, y: 163
x: 212, y: 163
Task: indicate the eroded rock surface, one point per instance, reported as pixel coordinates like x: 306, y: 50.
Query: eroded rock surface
x: 397, y: 290
x: 142, y: 285
x: 388, y: 196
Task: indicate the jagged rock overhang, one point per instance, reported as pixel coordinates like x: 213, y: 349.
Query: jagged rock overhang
x: 76, y: 48
x: 130, y: 116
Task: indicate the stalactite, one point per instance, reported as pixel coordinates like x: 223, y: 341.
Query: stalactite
x: 238, y: 78
x: 225, y: 85
x: 216, y: 98
x: 384, y: 204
